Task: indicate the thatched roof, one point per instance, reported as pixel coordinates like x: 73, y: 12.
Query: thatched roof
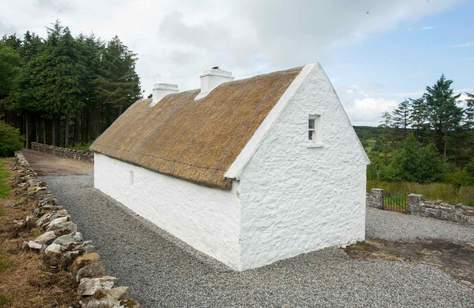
x: 195, y: 140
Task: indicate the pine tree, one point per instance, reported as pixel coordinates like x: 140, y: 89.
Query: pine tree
x: 418, y: 114
x: 469, y: 112
x: 73, y: 88
x: 444, y: 116
x: 401, y: 116
x: 9, y: 68
x: 118, y: 84
x: 58, y: 68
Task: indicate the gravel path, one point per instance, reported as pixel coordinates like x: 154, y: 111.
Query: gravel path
x: 162, y: 272
x: 394, y: 226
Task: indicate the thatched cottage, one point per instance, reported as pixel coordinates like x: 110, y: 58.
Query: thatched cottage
x: 247, y: 171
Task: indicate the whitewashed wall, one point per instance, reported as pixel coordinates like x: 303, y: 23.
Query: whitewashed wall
x: 297, y: 198
x: 205, y: 218
x: 293, y: 197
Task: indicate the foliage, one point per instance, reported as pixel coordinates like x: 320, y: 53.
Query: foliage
x: 428, y: 139
x: 10, y: 140
x: 5, y: 188
x: 410, y: 161
x: 459, y: 178
x: 469, y: 112
x: 5, y: 262
x: 67, y: 89
x: 470, y: 168
x: 3, y: 300
x: 84, y: 147
x: 431, y: 191
x: 9, y: 67
x: 401, y: 115
x: 443, y: 113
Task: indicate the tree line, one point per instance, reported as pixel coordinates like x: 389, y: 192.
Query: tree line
x: 425, y: 139
x: 65, y: 90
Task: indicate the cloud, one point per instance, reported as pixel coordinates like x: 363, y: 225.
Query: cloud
x: 176, y: 40
x: 364, y: 105
x: 427, y: 28
x: 463, y: 45
x: 368, y: 111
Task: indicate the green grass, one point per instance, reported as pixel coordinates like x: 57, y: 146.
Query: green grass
x: 4, y: 184
x: 5, y: 263
x: 84, y: 147
x: 433, y: 191
x: 3, y: 300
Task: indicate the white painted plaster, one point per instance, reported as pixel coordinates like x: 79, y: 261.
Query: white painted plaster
x: 296, y: 198
x: 293, y: 196
x: 160, y: 90
x: 252, y: 145
x: 211, y: 79
x: 205, y: 218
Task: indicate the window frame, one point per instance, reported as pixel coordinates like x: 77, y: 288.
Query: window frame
x: 313, y: 132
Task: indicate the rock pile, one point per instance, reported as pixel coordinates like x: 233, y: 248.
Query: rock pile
x: 61, y: 245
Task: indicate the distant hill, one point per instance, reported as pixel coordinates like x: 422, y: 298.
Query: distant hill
x: 368, y: 132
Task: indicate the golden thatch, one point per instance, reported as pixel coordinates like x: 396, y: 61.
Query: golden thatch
x: 195, y: 140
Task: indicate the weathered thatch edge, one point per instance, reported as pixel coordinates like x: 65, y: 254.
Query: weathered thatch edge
x: 195, y: 141
x: 217, y: 185
x: 256, y: 140
x: 77, y: 254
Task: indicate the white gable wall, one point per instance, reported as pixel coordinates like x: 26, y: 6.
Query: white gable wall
x: 293, y: 196
x: 296, y: 197
x: 205, y: 218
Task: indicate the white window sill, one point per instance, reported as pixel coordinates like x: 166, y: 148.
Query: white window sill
x: 312, y: 145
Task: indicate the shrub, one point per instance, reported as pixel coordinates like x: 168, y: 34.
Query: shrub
x: 10, y: 140
x: 459, y: 178
x: 414, y: 163
x: 470, y: 168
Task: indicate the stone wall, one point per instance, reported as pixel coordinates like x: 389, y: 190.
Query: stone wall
x: 374, y: 198
x: 440, y: 210
x: 417, y: 205
x: 62, y: 152
x: 61, y: 245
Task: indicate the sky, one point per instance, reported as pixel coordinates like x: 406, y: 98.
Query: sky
x: 376, y: 52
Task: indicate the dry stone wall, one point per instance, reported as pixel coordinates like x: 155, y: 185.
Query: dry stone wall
x: 63, y: 152
x: 440, y: 210
x: 427, y: 208
x: 61, y: 244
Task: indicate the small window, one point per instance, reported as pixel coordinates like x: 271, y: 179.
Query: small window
x: 313, y: 127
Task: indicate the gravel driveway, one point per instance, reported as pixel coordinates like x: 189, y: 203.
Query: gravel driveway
x: 394, y: 226
x: 162, y: 272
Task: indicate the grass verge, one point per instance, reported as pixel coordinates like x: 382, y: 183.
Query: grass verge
x: 432, y: 191
x: 5, y: 262
x: 4, y: 175
x: 3, y: 300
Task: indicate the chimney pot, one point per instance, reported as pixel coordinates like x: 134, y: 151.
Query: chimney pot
x: 212, y: 78
x: 160, y: 90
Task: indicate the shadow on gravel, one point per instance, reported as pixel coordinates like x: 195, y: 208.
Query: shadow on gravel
x: 455, y: 259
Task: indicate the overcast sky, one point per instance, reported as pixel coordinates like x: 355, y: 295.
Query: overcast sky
x: 376, y: 52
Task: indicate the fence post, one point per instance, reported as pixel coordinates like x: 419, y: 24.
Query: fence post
x: 414, y: 203
x: 378, y: 194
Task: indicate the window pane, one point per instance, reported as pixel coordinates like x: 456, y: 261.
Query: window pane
x: 310, y: 134
x: 311, y: 123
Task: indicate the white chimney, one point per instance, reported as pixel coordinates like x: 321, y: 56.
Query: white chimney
x: 160, y: 90
x: 210, y: 79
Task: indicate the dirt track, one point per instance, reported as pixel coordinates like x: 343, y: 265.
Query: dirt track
x: 46, y: 164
